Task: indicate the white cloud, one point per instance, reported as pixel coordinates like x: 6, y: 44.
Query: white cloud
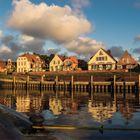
x: 80, y: 3
x: 26, y: 38
x: 4, y: 49
x: 53, y: 22
x: 84, y: 46
x: 137, y: 38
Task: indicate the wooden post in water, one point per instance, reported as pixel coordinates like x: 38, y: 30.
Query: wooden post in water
x: 27, y: 81
x: 114, y: 83
x: 91, y: 83
x: 72, y: 82
x: 56, y: 83
x: 41, y: 82
x: 14, y: 82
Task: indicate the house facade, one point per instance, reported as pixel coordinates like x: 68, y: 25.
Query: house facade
x: 62, y: 63
x: 6, y: 66
x: 70, y: 63
x: 126, y: 62
x: 56, y: 63
x: 102, y: 60
x: 2, y: 66
x: 29, y: 63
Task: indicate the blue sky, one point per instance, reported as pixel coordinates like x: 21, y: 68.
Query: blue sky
x: 114, y: 23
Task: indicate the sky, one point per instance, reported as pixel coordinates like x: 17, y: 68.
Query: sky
x: 69, y: 27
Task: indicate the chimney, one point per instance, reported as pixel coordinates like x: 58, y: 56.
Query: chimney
x: 109, y: 52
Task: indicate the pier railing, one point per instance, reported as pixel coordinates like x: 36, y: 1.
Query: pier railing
x: 90, y: 85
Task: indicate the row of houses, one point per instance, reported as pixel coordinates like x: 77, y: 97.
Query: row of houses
x: 102, y: 60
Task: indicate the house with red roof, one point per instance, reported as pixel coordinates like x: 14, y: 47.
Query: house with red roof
x: 2, y: 66
x: 126, y: 62
x: 29, y: 63
x: 63, y: 63
x: 6, y: 66
x: 102, y: 60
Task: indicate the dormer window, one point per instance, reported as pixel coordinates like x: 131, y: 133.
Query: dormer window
x: 100, y: 53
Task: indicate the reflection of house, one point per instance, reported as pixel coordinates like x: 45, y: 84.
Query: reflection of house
x: 9, y: 101
x: 100, y: 112
x: 23, y: 103
x: 36, y: 103
x: 55, y: 106
x: 62, y: 63
x: 127, y: 110
x: 126, y: 62
x: 102, y: 60
x: 29, y: 62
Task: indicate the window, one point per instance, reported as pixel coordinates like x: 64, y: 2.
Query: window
x: 127, y: 61
x: 94, y: 67
x: 100, y: 53
x: 56, y: 67
x: 58, y: 62
x: 53, y: 62
x: 24, y: 63
x: 100, y: 58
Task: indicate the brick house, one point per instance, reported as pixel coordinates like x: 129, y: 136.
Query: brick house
x: 126, y: 62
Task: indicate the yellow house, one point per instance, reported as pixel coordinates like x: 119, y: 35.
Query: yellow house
x: 56, y: 63
x: 29, y: 62
x: 102, y: 60
x: 62, y: 63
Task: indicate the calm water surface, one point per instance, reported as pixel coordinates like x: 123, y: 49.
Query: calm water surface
x: 80, y: 109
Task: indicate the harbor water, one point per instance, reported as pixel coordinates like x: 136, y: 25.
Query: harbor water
x: 99, y: 110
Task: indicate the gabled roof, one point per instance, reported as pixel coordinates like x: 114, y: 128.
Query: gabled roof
x: 73, y: 59
x: 108, y: 52
x: 126, y: 59
x: 31, y: 57
x: 62, y: 57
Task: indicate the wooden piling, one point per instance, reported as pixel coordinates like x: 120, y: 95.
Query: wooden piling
x: 56, y: 83
x: 114, y: 83
x: 27, y: 81
x: 14, y: 82
x: 91, y: 83
x: 72, y: 82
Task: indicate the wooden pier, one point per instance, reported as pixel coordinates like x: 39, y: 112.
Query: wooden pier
x: 113, y: 86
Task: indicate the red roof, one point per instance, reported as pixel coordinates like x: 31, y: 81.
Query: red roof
x: 31, y: 57
x: 62, y: 57
x: 2, y: 64
x: 127, y: 59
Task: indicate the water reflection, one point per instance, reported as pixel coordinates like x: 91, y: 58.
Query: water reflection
x: 84, y: 107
